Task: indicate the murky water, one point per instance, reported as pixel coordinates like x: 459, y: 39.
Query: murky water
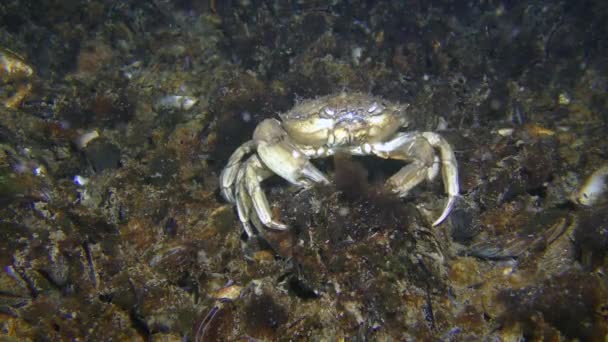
x: 118, y: 118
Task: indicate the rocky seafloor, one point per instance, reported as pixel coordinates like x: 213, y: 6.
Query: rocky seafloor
x: 111, y: 222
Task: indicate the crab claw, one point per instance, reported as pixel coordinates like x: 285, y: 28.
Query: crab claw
x: 283, y: 157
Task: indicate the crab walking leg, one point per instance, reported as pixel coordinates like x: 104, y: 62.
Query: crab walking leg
x: 407, y: 178
x: 255, y: 173
x: 409, y: 147
x: 449, y: 171
x: 243, y: 202
x: 229, y: 174
x: 422, y: 155
x: 283, y: 157
x: 419, y: 148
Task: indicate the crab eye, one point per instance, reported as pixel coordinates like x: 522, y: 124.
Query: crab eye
x: 329, y: 111
x: 372, y: 108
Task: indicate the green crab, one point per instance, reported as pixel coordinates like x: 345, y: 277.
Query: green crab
x: 353, y: 123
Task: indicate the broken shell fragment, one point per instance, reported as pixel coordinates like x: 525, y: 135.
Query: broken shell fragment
x: 14, y: 73
x: 593, y: 187
x: 505, y: 132
x: 80, y: 180
x: 13, y: 64
x: 176, y: 102
x: 229, y: 292
x: 564, y: 99
x: 84, y: 139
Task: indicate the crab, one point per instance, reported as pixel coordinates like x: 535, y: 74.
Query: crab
x: 352, y: 123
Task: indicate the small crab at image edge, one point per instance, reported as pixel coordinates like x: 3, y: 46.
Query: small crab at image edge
x: 351, y: 123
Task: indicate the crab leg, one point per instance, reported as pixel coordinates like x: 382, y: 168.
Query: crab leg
x: 449, y: 171
x: 229, y: 174
x: 409, y: 147
x: 243, y: 202
x: 418, y: 148
x: 255, y: 172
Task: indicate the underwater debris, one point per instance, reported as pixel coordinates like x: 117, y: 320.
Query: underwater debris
x: 14, y: 73
x: 568, y: 302
x: 564, y: 99
x: 263, y: 316
x: 102, y: 154
x: 180, y: 102
x: 593, y: 188
x: 84, y: 139
x: 93, y: 57
x: 591, y: 238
